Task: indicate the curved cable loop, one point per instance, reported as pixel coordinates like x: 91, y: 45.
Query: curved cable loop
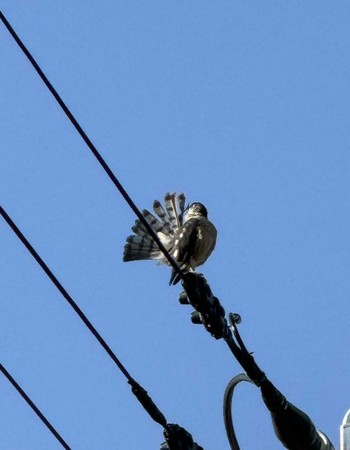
x: 228, y: 396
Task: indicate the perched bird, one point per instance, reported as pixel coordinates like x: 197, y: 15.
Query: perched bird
x: 186, y: 233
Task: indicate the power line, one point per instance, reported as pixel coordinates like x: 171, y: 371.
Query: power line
x: 217, y: 327
x: 65, y: 294
x: 34, y: 408
x: 90, y: 145
x: 137, y: 390
x: 176, y: 436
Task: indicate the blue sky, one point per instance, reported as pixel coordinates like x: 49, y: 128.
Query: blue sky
x: 243, y: 106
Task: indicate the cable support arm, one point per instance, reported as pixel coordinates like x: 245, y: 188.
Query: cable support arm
x: 292, y: 426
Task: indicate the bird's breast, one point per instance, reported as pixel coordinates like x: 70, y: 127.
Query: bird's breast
x: 205, y: 243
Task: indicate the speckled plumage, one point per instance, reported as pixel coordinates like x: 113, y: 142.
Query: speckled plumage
x: 189, y: 238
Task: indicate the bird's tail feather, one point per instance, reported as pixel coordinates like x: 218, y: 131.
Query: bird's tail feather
x: 172, y: 210
x: 138, y: 248
x: 162, y: 214
x: 181, y: 202
x: 164, y: 223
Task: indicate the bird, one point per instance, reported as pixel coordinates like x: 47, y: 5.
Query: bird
x: 186, y: 233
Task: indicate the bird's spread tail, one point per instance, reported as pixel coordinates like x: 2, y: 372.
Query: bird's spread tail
x: 164, y: 223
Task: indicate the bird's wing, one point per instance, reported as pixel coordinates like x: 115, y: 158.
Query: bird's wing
x: 184, y: 241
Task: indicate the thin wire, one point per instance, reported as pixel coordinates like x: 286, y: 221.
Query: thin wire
x: 65, y: 294
x: 34, y: 408
x: 90, y: 145
x: 139, y: 392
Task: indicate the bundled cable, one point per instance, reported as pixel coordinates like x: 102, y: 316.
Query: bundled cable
x: 292, y: 426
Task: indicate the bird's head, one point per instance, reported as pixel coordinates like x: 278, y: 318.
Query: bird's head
x: 196, y: 210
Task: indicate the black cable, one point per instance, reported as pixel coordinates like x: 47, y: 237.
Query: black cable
x: 292, y: 426
x: 137, y: 390
x: 230, y: 430
x: 65, y: 294
x: 35, y: 408
x: 90, y: 145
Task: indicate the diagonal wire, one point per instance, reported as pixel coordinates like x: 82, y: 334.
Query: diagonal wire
x: 34, y: 407
x: 63, y: 291
x: 139, y: 392
x: 90, y: 145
